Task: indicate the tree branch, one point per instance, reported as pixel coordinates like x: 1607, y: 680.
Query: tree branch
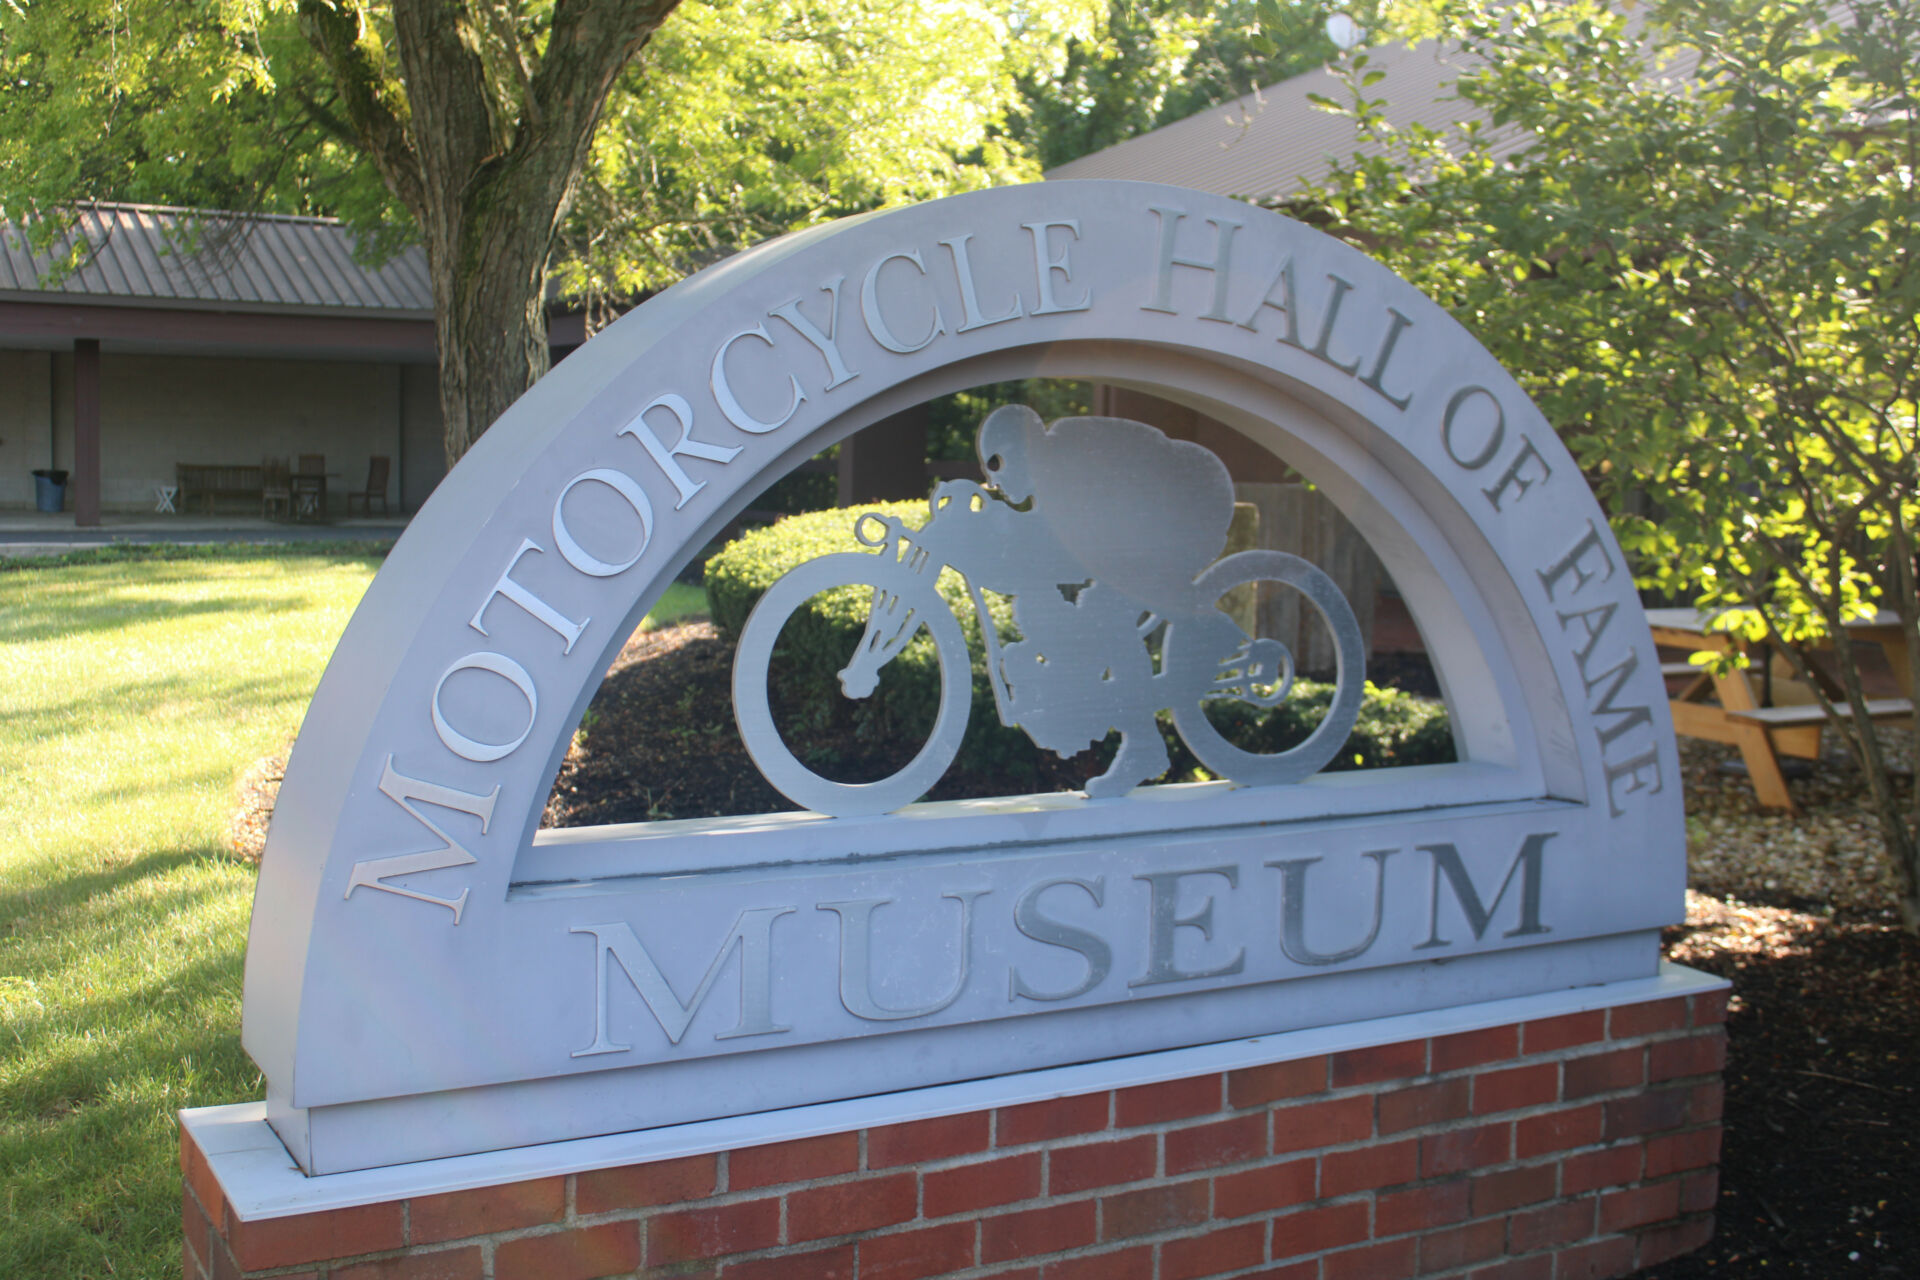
x: 375, y: 107
x: 590, y: 41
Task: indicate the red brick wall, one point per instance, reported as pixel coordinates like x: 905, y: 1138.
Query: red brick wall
x: 1576, y: 1146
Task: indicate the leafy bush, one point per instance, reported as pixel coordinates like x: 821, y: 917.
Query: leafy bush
x: 820, y: 637
x: 740, y: 573
x: 1394, y: 728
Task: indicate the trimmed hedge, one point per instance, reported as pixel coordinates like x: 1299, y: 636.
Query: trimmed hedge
x: 820, y: 638
x: 1394, y: 728
x: 740, y: 572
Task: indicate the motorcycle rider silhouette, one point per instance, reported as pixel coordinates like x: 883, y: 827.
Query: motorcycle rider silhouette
x: 1091, y: 568
x: 1102, y: 531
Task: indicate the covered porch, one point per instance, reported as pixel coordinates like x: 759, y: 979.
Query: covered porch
x: 208, y: 342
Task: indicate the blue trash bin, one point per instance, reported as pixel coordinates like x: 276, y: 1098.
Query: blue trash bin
x: 49, y: 489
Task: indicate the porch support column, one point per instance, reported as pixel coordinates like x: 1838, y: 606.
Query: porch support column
x: 86, y: 432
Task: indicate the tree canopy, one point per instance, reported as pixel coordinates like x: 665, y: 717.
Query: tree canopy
x: 617, y: 143
x: 1692, y: 234
x: 1156, y: 61
x: 509, y: 136
x: 215, y: 106
x: 747, y: 119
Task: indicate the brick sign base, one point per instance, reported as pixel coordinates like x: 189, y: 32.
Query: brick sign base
x: 1548, y: 1146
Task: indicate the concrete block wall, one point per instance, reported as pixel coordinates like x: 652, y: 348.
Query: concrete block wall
x: 1581, y: 1145
x: 158, y: 410
x: 27, y: 411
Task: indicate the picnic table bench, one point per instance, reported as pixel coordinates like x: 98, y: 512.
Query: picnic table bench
x: 202, y: 484
x: 1763, y: 733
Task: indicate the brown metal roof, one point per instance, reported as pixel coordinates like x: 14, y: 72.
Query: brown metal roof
x: 1267, y: 144
x: 151, y: 254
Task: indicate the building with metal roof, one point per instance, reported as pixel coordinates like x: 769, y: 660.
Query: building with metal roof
x: 210, y: 259
x: 1268, y: 144
x: 141, y: 340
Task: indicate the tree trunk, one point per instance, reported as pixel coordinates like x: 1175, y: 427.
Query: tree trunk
x: 481, y: 130
x: 489, y: 299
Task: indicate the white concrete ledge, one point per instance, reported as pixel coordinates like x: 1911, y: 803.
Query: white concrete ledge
x: 262, y: 1181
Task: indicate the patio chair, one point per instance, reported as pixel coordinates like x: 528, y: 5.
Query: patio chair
x: 377, y: 469
x: 309, y: 498
x: 276, y: 488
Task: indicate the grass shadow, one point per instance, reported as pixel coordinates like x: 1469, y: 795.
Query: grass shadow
x: 373, y: 550
x: 146, y: 696
x: 76, y: 888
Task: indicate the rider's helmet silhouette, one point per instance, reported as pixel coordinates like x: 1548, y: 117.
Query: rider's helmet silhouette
x: 1138, y: 511
x: 1103, y: 527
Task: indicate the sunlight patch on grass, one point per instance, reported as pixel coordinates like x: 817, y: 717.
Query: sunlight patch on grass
x: 681, y: 602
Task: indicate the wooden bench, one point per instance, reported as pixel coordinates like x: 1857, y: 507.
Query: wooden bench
x: 202, y: 484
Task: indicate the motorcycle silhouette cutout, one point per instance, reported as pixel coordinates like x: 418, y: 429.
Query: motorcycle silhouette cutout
x: 1107, y: 536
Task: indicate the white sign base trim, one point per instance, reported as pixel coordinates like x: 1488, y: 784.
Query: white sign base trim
x: 262, y: 1181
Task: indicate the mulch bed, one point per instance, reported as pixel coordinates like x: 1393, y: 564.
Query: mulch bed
x: 1821, y: 1164
x: 1820, y: 1175
x: 1820, y: 1172
x: 659, y: 742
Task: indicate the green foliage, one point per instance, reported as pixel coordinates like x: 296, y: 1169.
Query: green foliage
x: 1156, y: 61
x: 1708, y: 286
x: 1394, y: 728
x: 741, y: 119
x: 1700, y: 260
x: 745, y: 119
x: 820, y: 638
x: 652, y: 138
x: 740, y: 573
x: 220, y: 105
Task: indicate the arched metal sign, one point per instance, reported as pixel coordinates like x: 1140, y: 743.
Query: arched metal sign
x: 427, y: 974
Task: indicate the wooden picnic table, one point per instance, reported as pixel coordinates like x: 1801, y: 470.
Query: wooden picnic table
x: 1765, y: 729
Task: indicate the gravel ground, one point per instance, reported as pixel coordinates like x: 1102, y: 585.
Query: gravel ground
x: 1830, y: 856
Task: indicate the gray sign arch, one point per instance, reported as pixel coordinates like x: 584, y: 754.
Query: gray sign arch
x: 428, y: 975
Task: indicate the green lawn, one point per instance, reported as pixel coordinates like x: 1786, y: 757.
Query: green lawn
x: 133, y: 690
x: 678, y: 603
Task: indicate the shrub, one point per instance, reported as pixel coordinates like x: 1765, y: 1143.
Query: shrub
x: 1394, y: 728
x: 820, y: 638
x: 740, y: 573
